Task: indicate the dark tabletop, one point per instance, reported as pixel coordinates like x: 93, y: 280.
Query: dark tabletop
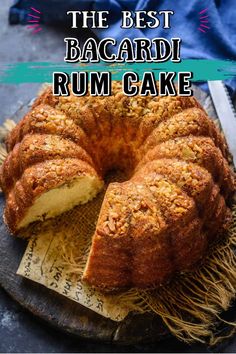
x: 20, y: 331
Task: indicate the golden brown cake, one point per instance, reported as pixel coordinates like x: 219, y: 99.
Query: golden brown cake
x: 160, y: 221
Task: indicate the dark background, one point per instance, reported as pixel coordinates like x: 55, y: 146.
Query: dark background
x: 19, y: 330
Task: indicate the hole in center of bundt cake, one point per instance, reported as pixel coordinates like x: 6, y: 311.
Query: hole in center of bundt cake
x: 115, y: 175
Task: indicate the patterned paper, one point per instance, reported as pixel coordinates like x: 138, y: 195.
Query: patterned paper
x: 42, y: 263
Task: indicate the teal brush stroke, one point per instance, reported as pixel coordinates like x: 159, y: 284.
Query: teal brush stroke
x: 40, y: 72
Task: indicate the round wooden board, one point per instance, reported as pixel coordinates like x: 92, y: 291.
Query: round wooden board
x: 63, y: 313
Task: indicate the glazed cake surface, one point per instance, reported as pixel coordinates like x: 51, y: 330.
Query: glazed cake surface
x: 160, y: 221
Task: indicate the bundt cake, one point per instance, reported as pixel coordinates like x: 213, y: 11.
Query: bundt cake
x: 162, y: 219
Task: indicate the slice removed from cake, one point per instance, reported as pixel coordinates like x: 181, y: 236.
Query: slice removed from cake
x: 50, y: 188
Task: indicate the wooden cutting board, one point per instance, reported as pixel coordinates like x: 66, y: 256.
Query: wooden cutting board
x: 63, y: 313
x: 60, y: 311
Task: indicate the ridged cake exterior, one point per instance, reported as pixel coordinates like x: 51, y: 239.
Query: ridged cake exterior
x: 162, y: 219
